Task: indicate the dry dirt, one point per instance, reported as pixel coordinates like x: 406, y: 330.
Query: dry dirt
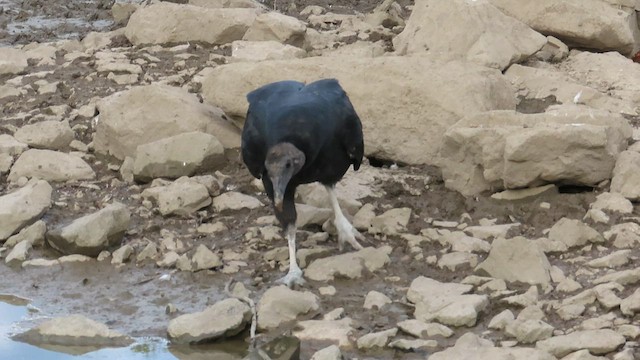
x: 133, y: 298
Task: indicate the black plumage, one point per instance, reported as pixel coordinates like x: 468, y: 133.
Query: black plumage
x: 296, y: 134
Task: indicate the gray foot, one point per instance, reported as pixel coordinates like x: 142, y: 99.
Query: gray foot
x: 293, y: 277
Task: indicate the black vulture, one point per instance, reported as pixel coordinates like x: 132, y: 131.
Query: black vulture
x: 298, y: 134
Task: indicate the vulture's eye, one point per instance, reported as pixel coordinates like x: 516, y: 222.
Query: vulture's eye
x: 288, y: 165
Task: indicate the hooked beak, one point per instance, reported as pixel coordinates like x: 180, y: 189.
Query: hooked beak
x: 279, y: 187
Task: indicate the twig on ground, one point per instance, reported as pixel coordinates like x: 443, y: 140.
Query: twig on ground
x: 252, y: 305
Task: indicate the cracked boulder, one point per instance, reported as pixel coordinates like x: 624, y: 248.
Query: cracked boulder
x: 350, y: 265
x: 281, y: 304
x: 145, y: 114
x: 54, y: 166
x: 167, y: 23
x: 386, y: 91
x: 176, y: 156
x: 74, y: 330
x: 601, y: 25
x: 506, y: 149
x: 532, y: 266
x: 446, y: 303
x: 23, y: 207
x: 223, y: 319
x: 488, y: 37
x: 93, y: 233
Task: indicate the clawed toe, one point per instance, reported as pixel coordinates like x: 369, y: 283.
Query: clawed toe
x: 292, y: 278
x: 349, y: 235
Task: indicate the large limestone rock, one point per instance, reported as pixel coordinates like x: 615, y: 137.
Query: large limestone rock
x: 165, y: 22
x: 145, y: 114
x: 505, y: 149
x: 182, y: 197
x: 176, y: 156
x: 350, y: 265
x: 281, y: 304
x: 626, y: 175
x: 223, y: 319
x: 359, y: 49
x: 574, y: 232
x: 97, y: 40
x: 424, y: 330
x: 121, y: 12
x: 553, y: 51
x: 10, y: 146
x: 537, y: 83
x: 624, y: 235
x: 277, y: 27
x: 307, y: 214
x: 74, y: 330
x: 12, y: 61
x: 397, y: 101
x: 5, y: 163
x: 474, y: 31
x: 333, y: 331
x: 203, y: 259
x: 19, y: 253
x: 329, y: 353
x: 610, y: 73
x: 51, y: 166
x: 532, y: 266
x: 596, y: 341
x: 10, y: 91
x: 90, y: 234
x: 315, y: 194
x: 480, y: 349
x: 53, y: 135
x: 612, y: 201
x: 376, y: 339
x: 631, y: 304
x: 33, y: 234
x: 595, y: 24
x: 448, y: 303
x: 529, y: 328
x: 23, y: 206
x: 391, y: 222
x: 264, y: 50
x: 234, y: 200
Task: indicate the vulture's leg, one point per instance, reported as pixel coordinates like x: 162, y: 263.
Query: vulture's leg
x: 346, y: 231
x: 294, y: 276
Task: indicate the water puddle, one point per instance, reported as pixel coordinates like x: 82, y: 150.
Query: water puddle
x: 16, y: 316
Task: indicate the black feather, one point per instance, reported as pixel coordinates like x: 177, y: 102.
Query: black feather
x: 318, y: 118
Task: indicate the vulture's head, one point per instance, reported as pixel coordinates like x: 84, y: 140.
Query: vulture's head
x: 282, y: 163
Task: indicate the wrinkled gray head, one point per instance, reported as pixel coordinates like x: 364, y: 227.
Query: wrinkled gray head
x: 282, y: 163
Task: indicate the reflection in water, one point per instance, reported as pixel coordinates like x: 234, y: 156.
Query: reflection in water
x: 14, y: 315
x: 228, y: 350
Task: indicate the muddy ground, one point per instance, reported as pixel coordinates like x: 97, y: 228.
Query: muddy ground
x: 25, y: 21
x: 133, y: 298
